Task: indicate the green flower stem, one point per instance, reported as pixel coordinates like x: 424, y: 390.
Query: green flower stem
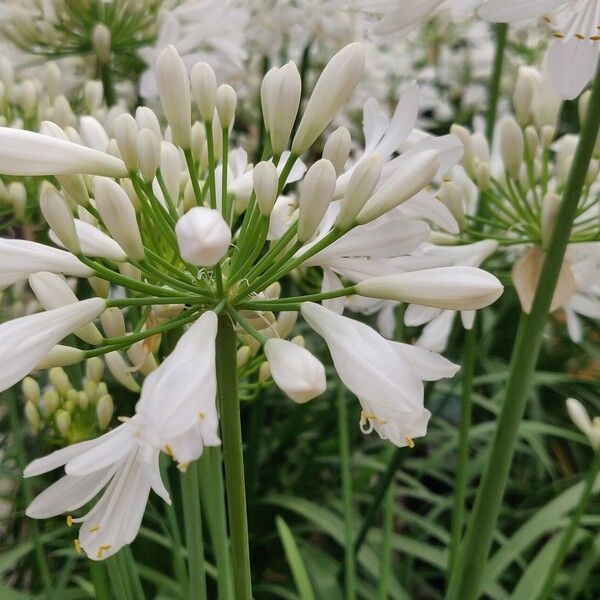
x: 251, y: 330
x: 149, y: 269
x: 501, y: 31
x: 460, y: 482
x: 231, y: 435
x: 18, y: 429
x: 213, y: 499
x: 287, y: 168
x: 187, y: 299
x: 130, y: 568
x: 466, y: 578
x: 386, y: 542
x: 260, y: 235
x: 211, y: 164
x: 295, y: 301
x: 569, y: 533
x: 192, y: 519
x: 226, y: 209
x: 108, y: 85
x: 193, y: 171
x: 165, y: 213
x: 345, y: 465
x: 165, y: 192
x: 118, y: 582
x: 99, y: 581
x: 170, y: 267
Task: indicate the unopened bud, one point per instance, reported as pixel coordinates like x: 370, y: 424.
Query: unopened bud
x: 31, y: 390
x: 17, y: 195
x: 298, y: 340
x: 532, y: 140
x: 63, y: 422
x: 104, y: 411
x: 451, y: 197
x: 550, y: 208
x: 101, y: 40
x: 49, y: 403
x: 170, y: 168
x: 61, y: 356
x: 32, y: 415
x: 126, y: 132
x: 225, y: 105
x: 316, y: 193
x: 337, y: 148
x: 264, y: 373
x: 265, y: 179
x: 120, y: 370
x: 59, y: 379
x: 203, y: 236
x: 93, y: 95
x: 204, y: 89
x: 243, y: 356
x: 113, y: 322
x: 468, y: 159
x: 59, y: 217
x: 523, y: 95
x: 148, y: 153
x: 94, y: 369
x: 101, y: 287
x: 285, y: 323
x: 511, y: 146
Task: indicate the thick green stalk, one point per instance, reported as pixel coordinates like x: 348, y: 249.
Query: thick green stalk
x: 192, y: 519
x: 466, y: 578
x: 349, y: 560
x: 569, y: 533
x: 213, y: 499
x: 460, y: 482
x: 18, y: 428
x: 99, y: 581
x: 231, y: 435
x: 386, y: 541
x: 501, y: 30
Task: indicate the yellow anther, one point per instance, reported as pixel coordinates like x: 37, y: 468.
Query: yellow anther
x: 409, y: 442
x: 580, y: 36
x: 558, y: 34
x: 77, y: 545
x: 595, y: 38
x: 183, y: 466
x: 69, y: 520
x: 123, y: 419
x: 547, y: 19
x: 169, y: 450
x: 201, y: 415
x: 102, y: 550
x: 94, y: 529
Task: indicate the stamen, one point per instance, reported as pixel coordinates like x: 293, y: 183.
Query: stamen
x: 169, y: 451
x: 94, y: 529
x: 201, y: 415
x: 580, y: 36
x: 77, y: 545
x: 69, y: 520
x: 123, y: 419
x: 409, y: 442
x: 558, y: 34
x: 101, y: 550
x: 183, y: 466
x: 547, y: 19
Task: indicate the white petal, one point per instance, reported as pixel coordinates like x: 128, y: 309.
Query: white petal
x: 506, y: 11
x: 571, y: 66
x: 430, y: 366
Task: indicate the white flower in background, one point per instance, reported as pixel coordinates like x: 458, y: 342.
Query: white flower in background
x: 212, y: 31
x: 590, y: 428
x: 125, y: 461
x: 573, y: 55
x: 387, y: 377
x: 26, y: 341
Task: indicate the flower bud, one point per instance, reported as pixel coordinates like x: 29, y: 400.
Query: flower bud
x: 332, y: 90
x: 203, y: 236
x: 59, y: 379
x: 243, y: 356
x: 31, y: 390
x: 62, y: 421
x: 61, y: 356
x: 32, y: 415
x: 147, y: 119
x: 316, y: 193
x: 101, y: 41
x: 265, y: 179
x: 410, y: 179
x: 113, y: 322
x: 511, y: 146
x: 523, y: 95
x: 49, y: 403
x: 285, y: 323
x: 148, y: 153
x: 52, y: 291
x: 454, y: 288
x: 126, y: 132
x: 93, y: 96
x: 581, y: 419
x: 450, y: 196
x: 468, y: 159
x: 550, y: 208
x: 225, y: 104
x: 17, y: 195
x: 173, y: 86
x: 363, y: 180
x: 28, y: 98
x: 104, y: 411
x: 204, y: 89
x: 280, y: 97
x: 120, y: 370
x: 198, y: 140
x: 532, y: 140
x: 295, y: 370
x: 337, y: 148
x: 118, y: 216
x: 264, y: 373
x: 170, y: 169
x: 142, y: 358
x: 94, y: 369
x: 59, y: 217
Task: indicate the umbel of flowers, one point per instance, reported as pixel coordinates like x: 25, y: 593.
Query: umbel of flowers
x: 170, y: 234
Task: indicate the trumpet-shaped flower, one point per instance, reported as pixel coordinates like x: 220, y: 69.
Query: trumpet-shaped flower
x: 387, y: 377
x: 125, y: 461
x: 24, y: 342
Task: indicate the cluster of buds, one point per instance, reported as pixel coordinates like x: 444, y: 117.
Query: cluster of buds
x: 63, y: 414
x: 521, y: 186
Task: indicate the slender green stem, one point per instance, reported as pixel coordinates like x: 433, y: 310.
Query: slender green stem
x: 251, y: 330
x: 225, y: 208
x: 213, y: 499
x: 386, y: 542
x: 192, y: 519
x: 460, y: 482
x: 274, y: 304
x: 191, y: 165
x: 231, y: 435
x: 99, y: 581
x: 501, y: 30
x: 167, y: 196
x: 345, y: 465
x: 118, y: 583
x: 130, y: 568
x: 465, y: 581
x: 569, y: 533
x: 108, y: 85
x: 18, y: 429
x: 121, y: 302
x: 211, y: 164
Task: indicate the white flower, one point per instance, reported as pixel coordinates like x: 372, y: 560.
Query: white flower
x: 295, y: 370
x: 385, y: 376
x: 94, y: 242
x: 21, y: 258
x: 203, y: 236
x: 176, y: 413
x: 581, y: 418
x: 26, y: 341
x: 573, y: 55
x: 28, y: 153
